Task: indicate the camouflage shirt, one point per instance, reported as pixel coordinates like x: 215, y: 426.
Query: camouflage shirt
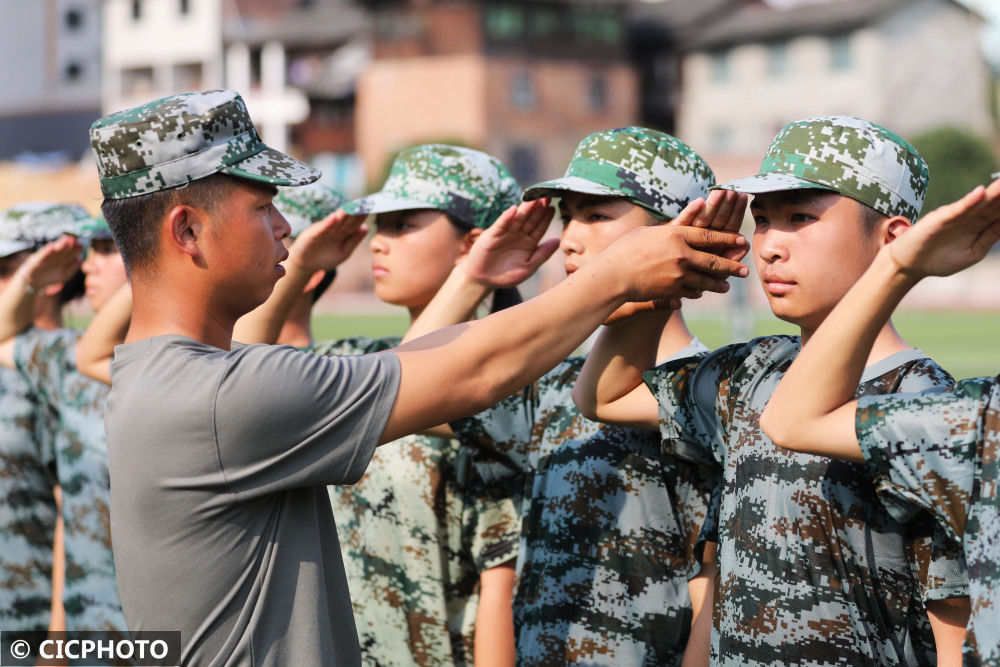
x: 75, y: 403
x: 939, y: 452
x: 812, y: 569
x: 416, y: 532
x: 607, y: 534
x: 27, y: 510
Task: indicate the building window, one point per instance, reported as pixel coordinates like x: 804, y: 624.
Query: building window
x: 504, y: 21
x: 597, y: 27
x: 840, y: 52
x: 74, y: 19
x: 524, y: 163
x: 136, y: 10
x: 777, y: 59
x: 137, y: 80
x: 184, y: 6
x: 73, y: 72
x: 720, y: 66
x: 188, y: 77
x: 598, y: 93
x: 522, y: 91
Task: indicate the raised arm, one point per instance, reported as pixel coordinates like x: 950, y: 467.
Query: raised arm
x: 51, y: 265
x: 504, y: 255
x: 476, y: 364
x: 818, y: 417
x: 321, y: 246
x: 96, y: 346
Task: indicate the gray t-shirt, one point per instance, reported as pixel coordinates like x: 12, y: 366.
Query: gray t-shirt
x: 220, y: 518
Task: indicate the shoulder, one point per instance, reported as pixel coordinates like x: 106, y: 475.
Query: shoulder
x: 905, y: 372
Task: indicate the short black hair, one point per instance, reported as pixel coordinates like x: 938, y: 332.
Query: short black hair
x: 135, y: 221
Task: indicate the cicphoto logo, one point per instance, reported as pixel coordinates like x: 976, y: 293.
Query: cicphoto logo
x: 90, y: 648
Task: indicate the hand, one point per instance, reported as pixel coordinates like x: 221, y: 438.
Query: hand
x: 511, y: 250
x: 722, y: 210
x: 327, y: 243
x: 53, y: 263
x: 629, y: 310
x: 951, y: 237
x: 670, y: 262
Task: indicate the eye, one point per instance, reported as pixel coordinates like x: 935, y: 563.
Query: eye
x: 801, y: 217
x: 759, y: 221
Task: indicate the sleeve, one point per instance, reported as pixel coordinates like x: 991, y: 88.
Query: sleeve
x: 687, y: 391
x: 494, y: 522
x: 504, y: 433
x: 922, y: 450
x: 353, y: 346
x: 43, y: 358
x: 285, y: 419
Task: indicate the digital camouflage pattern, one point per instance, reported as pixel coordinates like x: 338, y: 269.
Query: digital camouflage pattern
x: 95, y: 229
x: 27, y: 510
x: 941, y: 452
x: 305, y: 205
x: 174, y: 140
x: 608, y: 529
x: 649, y: 168
x: 812, y: 569
x: 75, y: 405
x: 416, y: 532
x: 30, y: 225
x: 846, y: 155
x: 470, y: 185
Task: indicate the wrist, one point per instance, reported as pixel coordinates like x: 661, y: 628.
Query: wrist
x: 26, y: 285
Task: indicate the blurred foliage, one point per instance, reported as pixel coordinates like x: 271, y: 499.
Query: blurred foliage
x: 959, y: 161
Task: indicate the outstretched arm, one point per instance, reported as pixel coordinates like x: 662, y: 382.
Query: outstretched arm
x: 610, y: 387
x: 322, y: 246
x: 504, y: 255
x: 818, y: 417
x: 96, y: 346
x: 51, y: 265
x: 478, y: 363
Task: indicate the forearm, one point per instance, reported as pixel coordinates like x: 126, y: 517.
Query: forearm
x: 108, y: 328
x: 263, y: 323
x: 454, y: 303
x: 17, y: 305
x: 494, y: 638
x: 818, y: 416
x: 702, y: 591
x: 610, y: 386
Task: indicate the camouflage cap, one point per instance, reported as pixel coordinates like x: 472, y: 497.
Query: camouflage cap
x: 95, y: 229
x: 33, y: 224
x: 649, y: 168
x: 846, y: 155
x: 470, y: 185
x: 308, y: 204
x: 178, y: 139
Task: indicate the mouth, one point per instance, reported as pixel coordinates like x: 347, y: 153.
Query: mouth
x: 379, y: 270
x: 777, y: 285
x: 570, y: 269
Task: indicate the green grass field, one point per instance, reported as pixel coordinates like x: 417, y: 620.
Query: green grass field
x: 966, y: 343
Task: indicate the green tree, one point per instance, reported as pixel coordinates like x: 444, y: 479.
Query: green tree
x: 958, y: 161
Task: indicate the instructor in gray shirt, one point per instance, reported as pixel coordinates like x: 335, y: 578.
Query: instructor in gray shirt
x: 219, y: 452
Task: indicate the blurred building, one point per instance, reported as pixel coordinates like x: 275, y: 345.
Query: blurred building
x: 523, y: 80
x: 907, y: 64
x: 51, y: 50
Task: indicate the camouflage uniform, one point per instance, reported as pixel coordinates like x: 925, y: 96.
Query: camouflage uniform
x: 75, y: 404
x: 416, y: 532
x: 608, y: 529
x: 27, y: 462
x: 938, y: 452
x: 812, y: 568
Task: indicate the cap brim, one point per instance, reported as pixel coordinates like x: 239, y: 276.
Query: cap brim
x: 560, y: 186
x: 274, y: 167
x: 383, y: 202
x: 774, y: 182
x: 12, y: 247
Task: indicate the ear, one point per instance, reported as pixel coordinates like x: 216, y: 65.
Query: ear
x: 184, y: 227
x: 469, y: 238
x: 895, y: 227
x: 53, y: 289
x: 313, y: 281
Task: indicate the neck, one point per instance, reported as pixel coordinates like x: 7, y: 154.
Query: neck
x: 48, y: 313
x: 887, y: 343
x: 160, y: 309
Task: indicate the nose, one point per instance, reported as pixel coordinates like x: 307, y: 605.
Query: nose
x: 570, y: 241
x: 771, y: 245
x: 88, y: 263
x: 281, y: 227
x: 378, y: 243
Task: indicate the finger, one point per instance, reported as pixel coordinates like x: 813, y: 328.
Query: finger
x: 716, y: 198
x: 544, y: 250
x: 716, y: 266
x: 687, y: 217
x: 725, y: 210
x: 704, y: 282
x: 541, y: 220
x: 713, y: 238
x: 504, y: 221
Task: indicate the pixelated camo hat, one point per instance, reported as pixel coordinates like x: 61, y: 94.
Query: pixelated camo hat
x: 95, y: 229
x: 178, y: 139
x: 307, y: 204
x: 852, y: 157
x: 470, y: 185
x: 31, y: 225
x: 649, y: 168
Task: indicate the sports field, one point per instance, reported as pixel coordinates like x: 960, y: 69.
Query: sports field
x: 966, y: 343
